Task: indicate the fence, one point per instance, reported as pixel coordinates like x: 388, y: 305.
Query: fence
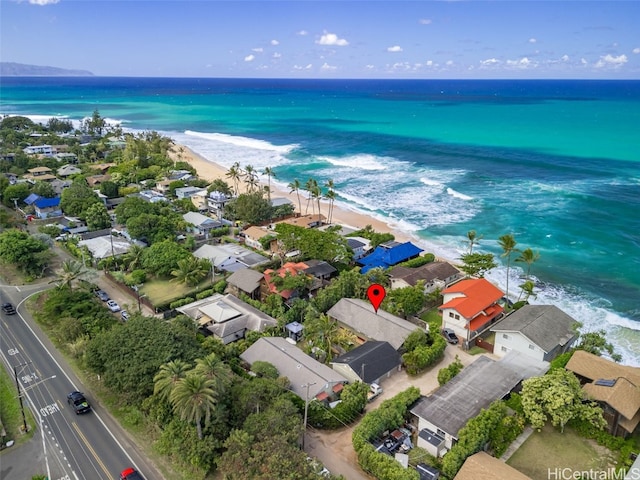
x: 129, y: 291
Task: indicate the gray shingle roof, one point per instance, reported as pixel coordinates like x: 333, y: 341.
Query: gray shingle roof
x: 245, y: 279
x: 428, y: 273
x: 294, y: 364
x: 545, y: 325
x: 371, y: 360
x: 451, y: 406
x: 360, y: 317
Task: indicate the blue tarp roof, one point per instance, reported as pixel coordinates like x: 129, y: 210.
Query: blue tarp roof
x: 47, y: 202
x: 385, y: 257
x: 31, y: 198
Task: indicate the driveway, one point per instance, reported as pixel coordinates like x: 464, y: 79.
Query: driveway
x: 334, y: 448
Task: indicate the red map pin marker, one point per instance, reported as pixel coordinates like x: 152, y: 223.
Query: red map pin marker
x: 376, y: 294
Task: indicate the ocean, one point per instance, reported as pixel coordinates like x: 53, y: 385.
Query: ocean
x: 553, y: 162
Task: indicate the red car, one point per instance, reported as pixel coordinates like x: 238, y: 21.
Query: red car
x: 130, y: 474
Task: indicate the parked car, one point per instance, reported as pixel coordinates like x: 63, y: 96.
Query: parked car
x: 124, y: 315
x: 113, y: 305
x: 450, y: 336
x: 78, y: 402
x: 102, y: 295
x: 130, y: 474
x: 8, y: 309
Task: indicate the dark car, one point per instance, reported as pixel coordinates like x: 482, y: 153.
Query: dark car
x: 131, y: 474
x: 78, y: 402
x: 102, y: 295
x: 450, y: 336
x: 8, y: 309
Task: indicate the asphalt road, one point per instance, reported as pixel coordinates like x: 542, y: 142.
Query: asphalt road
x: 68, y: 446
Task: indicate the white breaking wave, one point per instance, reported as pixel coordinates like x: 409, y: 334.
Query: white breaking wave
x: 431, y: 183
x: 459, y: 195
x: 362, y: 161
x: 244, y: 142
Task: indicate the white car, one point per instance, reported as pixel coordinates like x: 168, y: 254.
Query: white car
x: 113, y: 306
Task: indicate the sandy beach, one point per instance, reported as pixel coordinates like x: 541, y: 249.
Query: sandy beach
x: 209, y: 170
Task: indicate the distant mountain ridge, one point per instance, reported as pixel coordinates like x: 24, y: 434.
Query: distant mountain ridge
x: 12, y: 69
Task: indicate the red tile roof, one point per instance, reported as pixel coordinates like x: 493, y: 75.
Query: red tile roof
x: 482, y: 319
x: 290, y: 268
x: 478, y: 295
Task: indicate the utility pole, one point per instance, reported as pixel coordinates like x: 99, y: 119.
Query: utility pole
x: 306, y: 411
x: 15, y: 374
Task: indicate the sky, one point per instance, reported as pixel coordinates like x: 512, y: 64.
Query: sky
x: 327, y: 38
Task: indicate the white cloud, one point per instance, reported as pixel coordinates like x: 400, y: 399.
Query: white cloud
x: 489, y: 62
x: 564, y: 58
x: 429, y: 63
x: 636, y: 50
x: 306, y: 67
x: 43, y: 2
x: 609, y: 60
x: 258, y: 50
x: 524, y: 62
x: 448, y: 63
x: 395, y: 48
x: 370, y: 67
x: 532, y: 40
x: 332, y: 39
x: 249, y: 58
x: 425, y: 21
x: 303, y: 33
x: 326, y: 67
x: 276, y: 55
x: 275, y: 42
x: 583, y: 61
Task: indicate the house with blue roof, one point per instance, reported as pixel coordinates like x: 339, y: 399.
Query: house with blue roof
x: 31, y: 198
x: 389, y: 254
x: 47, y: 207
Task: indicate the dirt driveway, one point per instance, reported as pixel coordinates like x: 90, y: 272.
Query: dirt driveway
x: 334, y: 449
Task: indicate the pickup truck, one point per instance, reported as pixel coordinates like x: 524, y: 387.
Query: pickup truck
x: 374, y: 391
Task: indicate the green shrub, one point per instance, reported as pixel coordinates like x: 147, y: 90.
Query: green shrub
x: 181, y: 302
x: 424, y: 356
x: 138, y: 277
x: 419, y: 261
x: 447, y: 373
x: 205, y: 294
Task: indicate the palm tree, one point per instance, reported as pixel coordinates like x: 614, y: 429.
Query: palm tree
x: 309, y: 186
x: 133, y: 258
x: 508, y: 244
x: 317, y: 194
x: 213, y: 368
x: 168, y: 376
x: 71, y: 270
x: 331, y: 196
x: 474, y: 239
x: 529, y: 257
x: 235, y: 173
x: 250, y: 177
x: 192, y: 270
x: 194, y: 398
x: 268, y: 171
x: 527, y: 288
x: 295, y: 187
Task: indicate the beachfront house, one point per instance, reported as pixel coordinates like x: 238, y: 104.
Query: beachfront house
x: 470, y: 306
x: 615, y: 387
x: 389, y: 254
x: 435, y: 275
x: 541, y: 331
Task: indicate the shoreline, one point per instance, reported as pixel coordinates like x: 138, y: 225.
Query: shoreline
x: 210, y: 170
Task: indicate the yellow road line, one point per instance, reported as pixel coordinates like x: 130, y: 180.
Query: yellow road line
x: 93, y: 452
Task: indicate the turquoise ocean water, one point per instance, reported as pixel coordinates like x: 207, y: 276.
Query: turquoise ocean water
x: 556, y: 163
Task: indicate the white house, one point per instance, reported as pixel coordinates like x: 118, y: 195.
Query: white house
x: 201, y: 224
x: 39, y: 150
x: 540, y: 331
x: 470, y: 306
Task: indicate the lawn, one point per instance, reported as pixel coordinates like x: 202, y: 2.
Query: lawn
x: 161, y: 292
x: 549, y: 449
x: 10, y: 412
